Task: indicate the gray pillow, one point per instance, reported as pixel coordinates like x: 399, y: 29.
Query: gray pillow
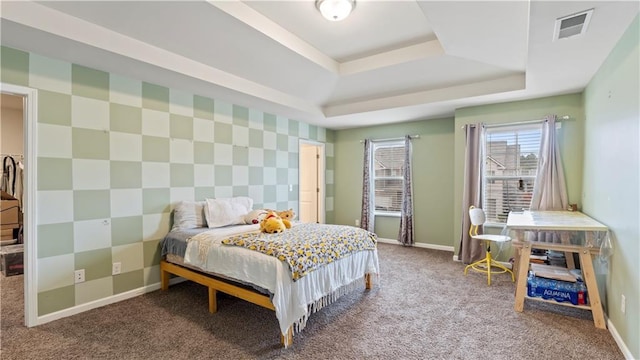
x: 189, y: 215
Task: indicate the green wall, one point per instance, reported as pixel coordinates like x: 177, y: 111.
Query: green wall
x: 611, y: 186
x: 115, y: 154
x: 438, y: 164
x: 570, y: 138
x: 432, y: 178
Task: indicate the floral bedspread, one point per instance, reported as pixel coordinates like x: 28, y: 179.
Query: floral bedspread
x: 305, y: 247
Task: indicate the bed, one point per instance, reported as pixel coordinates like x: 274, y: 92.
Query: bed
x: 226, y: 259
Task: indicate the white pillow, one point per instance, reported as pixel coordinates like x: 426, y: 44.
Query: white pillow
x: 189, y: 215
x: 229, y: 211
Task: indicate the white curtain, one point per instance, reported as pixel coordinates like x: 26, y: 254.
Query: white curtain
x: 550, y: 189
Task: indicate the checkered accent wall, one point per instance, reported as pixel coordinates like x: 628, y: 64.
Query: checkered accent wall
x: 114, y: 155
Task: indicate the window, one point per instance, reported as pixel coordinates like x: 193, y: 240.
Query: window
x: 388, y: 168
x: 510, y: 167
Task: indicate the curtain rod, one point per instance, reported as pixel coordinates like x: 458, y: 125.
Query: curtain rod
x: 392, y: 139
x: 565, y: 117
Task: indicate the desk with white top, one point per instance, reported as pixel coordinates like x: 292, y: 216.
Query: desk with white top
x: 564, y: 223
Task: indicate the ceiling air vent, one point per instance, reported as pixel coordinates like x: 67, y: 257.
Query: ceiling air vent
x: 572, y: 25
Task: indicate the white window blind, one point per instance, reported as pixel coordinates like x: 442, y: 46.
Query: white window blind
x: 510, y: 166
x: 388, y: 167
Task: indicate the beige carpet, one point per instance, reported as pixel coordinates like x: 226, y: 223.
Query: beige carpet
x: 422, y: 307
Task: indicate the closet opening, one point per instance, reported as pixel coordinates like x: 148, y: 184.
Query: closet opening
x: 11, y: 200
x: 18, y: 288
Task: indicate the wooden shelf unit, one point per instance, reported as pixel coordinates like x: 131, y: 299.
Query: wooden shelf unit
x: 584, y: 307
x: 564, y: 222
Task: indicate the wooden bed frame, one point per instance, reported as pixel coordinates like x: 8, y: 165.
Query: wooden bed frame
x: 214, y: 285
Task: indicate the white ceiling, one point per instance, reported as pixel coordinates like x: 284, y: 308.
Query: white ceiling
x: 390, y: 61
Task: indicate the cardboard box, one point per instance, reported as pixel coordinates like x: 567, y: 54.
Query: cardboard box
x: 9, y: 212
x: 12, y: 259
x: 8, y: 237
x: 6, y: 234
x: 6, y: 196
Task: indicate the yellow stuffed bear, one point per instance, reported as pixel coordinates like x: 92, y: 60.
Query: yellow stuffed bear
x: 286, y: 216
x: 273, y: 224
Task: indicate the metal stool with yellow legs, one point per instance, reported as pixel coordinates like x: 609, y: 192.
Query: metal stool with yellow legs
x: 478, y: 218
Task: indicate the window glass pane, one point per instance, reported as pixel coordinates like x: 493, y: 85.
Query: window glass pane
x: 502, y: 196
x: 389, y: 161
x: 388, y: 195
x: 388, y: 168
x: 510, y: 166
x: 512, y: 153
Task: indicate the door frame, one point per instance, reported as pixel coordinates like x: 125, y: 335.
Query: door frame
x: 321, y: 176
x: 30, y: 116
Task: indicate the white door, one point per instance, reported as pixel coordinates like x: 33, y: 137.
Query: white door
x: 309, y: 183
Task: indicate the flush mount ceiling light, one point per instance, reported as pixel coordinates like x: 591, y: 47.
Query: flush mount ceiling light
x: 335, y: 10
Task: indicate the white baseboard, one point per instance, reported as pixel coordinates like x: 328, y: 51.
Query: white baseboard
x: 102, y: 302
x: 621, y: 345
x: 420, y: 245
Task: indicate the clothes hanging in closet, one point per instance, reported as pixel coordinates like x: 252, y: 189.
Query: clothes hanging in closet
x: 12, y: 178
x: 18, y: 192
x: 9, y: 175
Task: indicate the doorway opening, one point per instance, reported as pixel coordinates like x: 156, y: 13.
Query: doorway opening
x: 18, y: 134
x: 312, y: 182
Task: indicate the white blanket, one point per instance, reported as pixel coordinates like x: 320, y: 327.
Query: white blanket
x: 291, y: 299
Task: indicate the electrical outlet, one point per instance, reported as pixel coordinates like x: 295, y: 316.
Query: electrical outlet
x: 357, y: 222
x: 117, y: 267
x: 79, y: 276
x: 623, y: 304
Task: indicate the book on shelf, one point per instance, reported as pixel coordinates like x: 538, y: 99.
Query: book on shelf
x: 538, y: 257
